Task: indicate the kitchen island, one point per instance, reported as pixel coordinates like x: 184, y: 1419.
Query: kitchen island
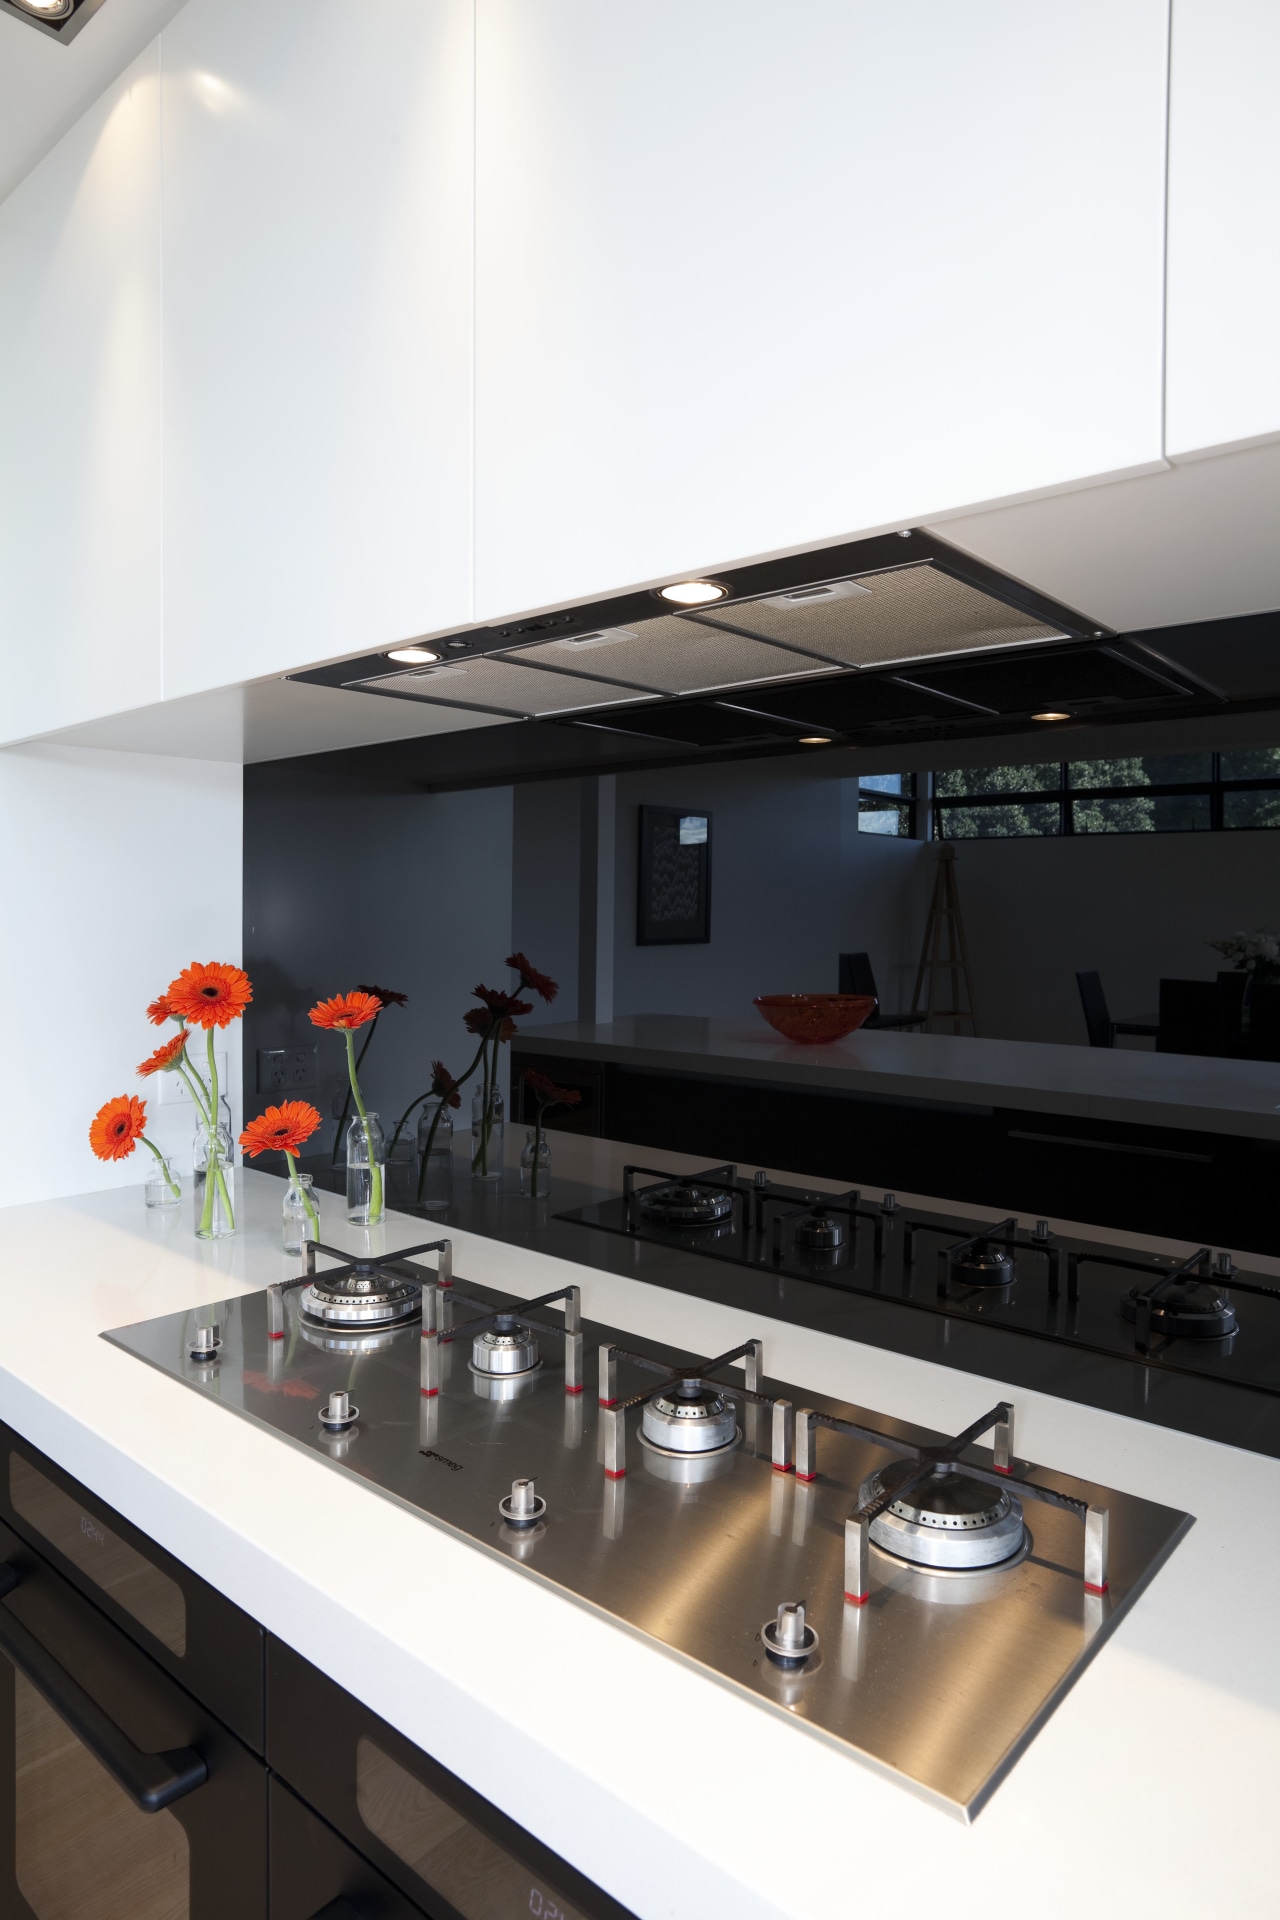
x: 359, y: 1586
x: 1147, y: 1142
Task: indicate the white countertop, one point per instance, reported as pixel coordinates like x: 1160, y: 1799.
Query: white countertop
x: 1151, y: 1790
x: 1128, y: 1084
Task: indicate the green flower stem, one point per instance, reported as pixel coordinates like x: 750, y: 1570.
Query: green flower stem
x: 214, y: 1179
x: 198, y: 1093
x: 169, y: 1180
x: 346, y: 1098
x: 375, y: 1171
x: 480, y: 1158
x: 308, y: 1203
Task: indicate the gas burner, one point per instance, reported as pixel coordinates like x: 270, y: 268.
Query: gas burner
x: 688, y: 1416
x: 360, y: 1297
x: 947, y: 1520
x: 820, y: 1233
x: 983, y: 1266
x: 685, y: 1204
x: 504, y: 1350
x: 1188, y: 1309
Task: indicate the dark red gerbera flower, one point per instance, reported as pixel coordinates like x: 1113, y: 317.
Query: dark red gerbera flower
x: 541, y: 983
x: 387, y: 995
x: 443, y: 1084
x: 547, y: 1093
x: 505, y: 1005
x: 479, y: 1020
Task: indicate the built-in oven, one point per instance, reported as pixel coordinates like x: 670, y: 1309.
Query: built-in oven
x: 123, y: 1795
x: 399, y: 1836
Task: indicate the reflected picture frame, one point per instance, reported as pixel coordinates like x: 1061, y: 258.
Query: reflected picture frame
x: 673, y: 904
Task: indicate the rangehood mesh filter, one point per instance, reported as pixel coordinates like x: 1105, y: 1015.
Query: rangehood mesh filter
x: 492, y: 683
x: 911, y: 613
x: 675, y: 655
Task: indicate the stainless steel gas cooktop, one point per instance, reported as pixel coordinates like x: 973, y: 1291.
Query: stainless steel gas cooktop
x: 923, y: 1601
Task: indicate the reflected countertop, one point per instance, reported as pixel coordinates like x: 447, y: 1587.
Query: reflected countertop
x: 1133, y: 1085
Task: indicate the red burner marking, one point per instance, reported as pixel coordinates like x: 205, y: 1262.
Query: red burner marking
x: 608, y: 1403
x: 857, y: 1599
x: 573, y: 1389
x: 429, y: 1393
x: 609, y: 1473
x: 806, y: 1476
x: 275, y: 1336
x: 788, y: 1469
x: 996, y: 1469
x: 1104, y: 1588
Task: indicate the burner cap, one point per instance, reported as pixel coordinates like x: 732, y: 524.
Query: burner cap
x: 686, y: 1204
x: 820, y: 1233
x: 1189, y: 1309
x: 364, y: 1298
x: 948, y: 1520
x: 985, y: 1265
x: 507, y: 1347
x: 688, y: 1417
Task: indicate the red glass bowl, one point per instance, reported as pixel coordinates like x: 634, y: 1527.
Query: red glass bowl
x: 815, y: 1019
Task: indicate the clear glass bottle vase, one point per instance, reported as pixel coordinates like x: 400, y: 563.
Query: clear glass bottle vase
x: 436, y: 1178
x: 535, y: 1166
x: 300, y: 1216
x: 366, y: 1171
x: 212, y: 1159
x: 486, y: 1134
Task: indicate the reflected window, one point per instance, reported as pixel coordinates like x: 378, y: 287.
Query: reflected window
x: 1131, y: 793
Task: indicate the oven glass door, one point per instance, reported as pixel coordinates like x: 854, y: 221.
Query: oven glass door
x: 120, y: 1797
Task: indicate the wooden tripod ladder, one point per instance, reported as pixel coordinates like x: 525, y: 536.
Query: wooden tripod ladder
x: 945, y: 930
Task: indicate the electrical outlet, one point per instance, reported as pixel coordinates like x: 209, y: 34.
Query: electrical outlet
x: 287, y: 1070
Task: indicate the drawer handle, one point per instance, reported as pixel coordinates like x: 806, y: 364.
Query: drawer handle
x: 151, y: 1780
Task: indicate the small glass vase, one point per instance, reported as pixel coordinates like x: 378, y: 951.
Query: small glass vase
x: 212, y: 1158
x: 437, y: 1181
x: 402, y: 1171
x: 298, y: 1226
x: 366, y: 1171
x: 535, y: 1166
x: 486, y: 1134
x: 162, y: 1187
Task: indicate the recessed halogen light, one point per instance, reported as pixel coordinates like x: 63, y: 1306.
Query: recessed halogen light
x: 1051, y: 716
x: 815, y: 739
x: 48, y: 9
x: 692, y: 593
x: 413, y: 656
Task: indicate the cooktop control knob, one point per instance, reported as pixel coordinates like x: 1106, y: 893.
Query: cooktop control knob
x: 205, y: 1343
x: 338, y: 1411
x: 524, y: 1505
x: 789, y: 1640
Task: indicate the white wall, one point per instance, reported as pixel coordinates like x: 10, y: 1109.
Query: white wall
x: 1135, y: 906
x: 793, y: 885
x: 116, y: 871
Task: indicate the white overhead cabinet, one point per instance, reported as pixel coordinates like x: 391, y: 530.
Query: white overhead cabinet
x: 317, y: 246
x: 80, y: 433
x: 1224, y: 224
x: 751, y: 276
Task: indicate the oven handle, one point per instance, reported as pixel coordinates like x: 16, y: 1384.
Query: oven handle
x: 151, y: 1780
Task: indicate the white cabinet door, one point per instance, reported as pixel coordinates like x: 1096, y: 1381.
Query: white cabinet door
x: 1224, y: 224
x: 80, y: 435
x: 317, y: 223
x: 753, y: 275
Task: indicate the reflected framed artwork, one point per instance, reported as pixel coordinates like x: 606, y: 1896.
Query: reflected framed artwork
x: 674, y: 904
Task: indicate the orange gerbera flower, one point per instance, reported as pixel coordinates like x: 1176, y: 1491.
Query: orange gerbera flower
x: 282, y: 1129
x: 117, y: 1127
x: 159, y: 1011
x: 166, y: 1057
x: 346, y: 1010
x: 211, y: 995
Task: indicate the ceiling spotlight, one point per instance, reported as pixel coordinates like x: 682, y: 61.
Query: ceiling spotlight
x: 47, y: 9
x: 1051, y: 716
x: 413, y: 656
x: 815, y: 739
x: 693, y: 593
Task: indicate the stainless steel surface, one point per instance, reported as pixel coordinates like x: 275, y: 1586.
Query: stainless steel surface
x: 938, y: 1679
